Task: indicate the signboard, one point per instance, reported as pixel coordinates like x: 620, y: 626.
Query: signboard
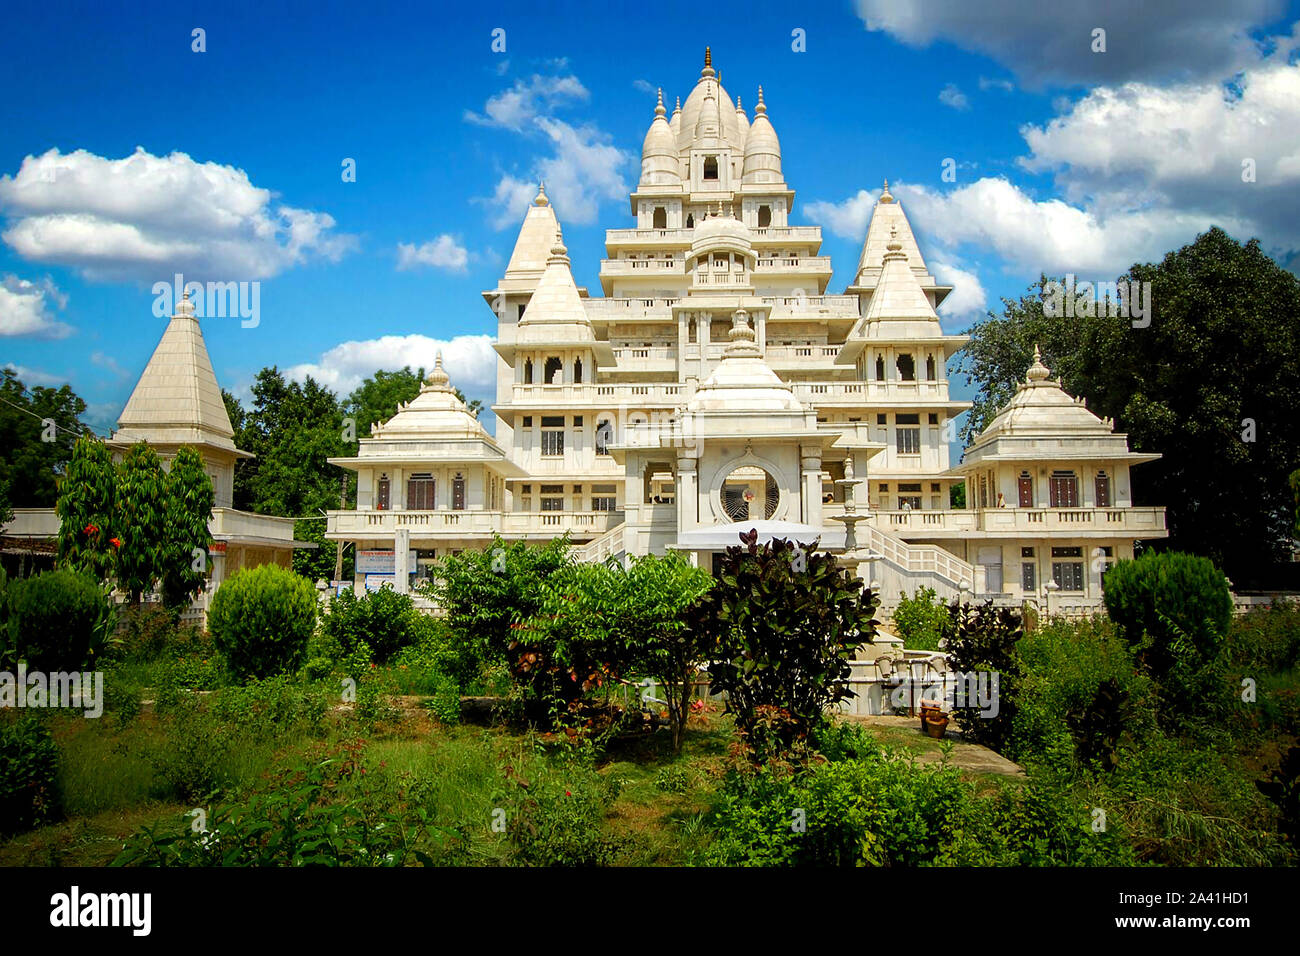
x: 376, y: 581
x: 381, y: 562
x: 217, y: 547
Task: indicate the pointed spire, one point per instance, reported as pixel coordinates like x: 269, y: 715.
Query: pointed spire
x: 885, y: 194
x: 184, y: 308
x: 739, y: 108
x: 678, y: 108
x: 541, y: 199
x: 559, y: 254
x: 761, y: 107
x: 438, y: 378
x: 659, y: 107
x: 743, y: 340
x: 708, y: 62
x: 894, y: 247
x: 1038, y: 372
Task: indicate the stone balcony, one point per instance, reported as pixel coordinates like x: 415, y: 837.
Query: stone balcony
x: 599, y: 396
x: 469, y: 524
x: 653, y: 238
x: 1140, y: 522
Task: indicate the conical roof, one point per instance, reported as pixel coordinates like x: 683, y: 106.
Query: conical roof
x: 888, y: 223
x: 555, y: 314
x: 762, y: 148
x: 899, y: 307
x: 536, y: 236
x: 177, y: 398
x: 659, y: 163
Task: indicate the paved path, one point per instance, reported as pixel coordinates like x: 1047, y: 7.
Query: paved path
x: 965, y: 755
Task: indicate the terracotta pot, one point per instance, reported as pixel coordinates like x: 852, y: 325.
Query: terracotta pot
x: 934, y: 725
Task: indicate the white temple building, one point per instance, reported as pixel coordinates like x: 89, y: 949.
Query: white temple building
x: 716, y: 384
x: 175, y: 402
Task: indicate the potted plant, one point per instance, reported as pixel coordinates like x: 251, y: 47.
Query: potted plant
x: 934, y: 720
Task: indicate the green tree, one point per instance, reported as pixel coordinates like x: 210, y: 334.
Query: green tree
x: 142, y: 529
x: 784, y: 619
x: 376, y: 399
x: 87, y: 510
x: 1212, y: 385
x: 38, y: 428
x: 189, y: 509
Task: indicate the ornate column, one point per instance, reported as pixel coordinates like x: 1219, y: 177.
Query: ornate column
x: 688, y: 494
x: 811, y: 484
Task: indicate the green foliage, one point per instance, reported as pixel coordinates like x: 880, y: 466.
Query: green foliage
x: 1223, y: 345
x: 56, y: 621
x: 31, y: 466
x: 437, y: 652
x: 920, y: 620
x: 142, y: 512
x: 983, y: 639
x: 29, y: 763
x: 784, y: 620
x: 87, y: 510
x: 489, y: 594
x: 446, y: 702
x: 321, y: 812
x: 384, y: 619
x: 596, y: 621
x: 1064, y: 666
x: 554, y: 816
x: 261, y: 620
x: 1161, y: 599
x: 880, y: 809
x: 189, y: 509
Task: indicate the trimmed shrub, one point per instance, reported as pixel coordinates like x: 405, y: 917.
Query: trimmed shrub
x: 57, y: 620
x: 261, y: 620
x: 29, y: 764
x: 1174, y: 608
x: 383, y: 619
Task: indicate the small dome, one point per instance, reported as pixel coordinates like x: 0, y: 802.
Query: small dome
x: 720, y: 232
x: 659, y: 163
x: 742, y: 381
x: 762, y: 149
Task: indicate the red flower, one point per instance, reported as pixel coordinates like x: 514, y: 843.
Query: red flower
x: 91, y: 529
x: 567, y: 794
x: 115, y: 542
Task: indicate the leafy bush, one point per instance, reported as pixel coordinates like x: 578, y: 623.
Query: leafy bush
x: 446, y: 702
x: 438, y: 653
x: 983, y: 639
x: 556, y: 817
x: 1161, y: 599
x: 784, y: 620
x: 485, y: 593
x: 1282, y: 787
x: 56, y: 620
x: 29, y: 764
x: 920, y: 619
x: 261, y: 620
x: 318, y: 813
x: 383, y: 619
x: 1063, y: 666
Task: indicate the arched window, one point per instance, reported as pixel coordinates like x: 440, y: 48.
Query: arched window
x: 577, y: 371
x: 906, y: 367
x: 929, y: 368
x: 528, y: 371
x: 552, y: 371
x: 690, y: 222
x: 880, y: 368
x: 604, y: 435
x: 764, y: 216
x: 710, y: 168
x: 660, y: 218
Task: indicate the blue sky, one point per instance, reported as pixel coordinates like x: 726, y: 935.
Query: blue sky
x: 227, y: 163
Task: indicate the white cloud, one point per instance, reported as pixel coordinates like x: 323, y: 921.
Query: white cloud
x: 645, y: 86
x: 967, y: 300
x: 952, y: 96
x: 108, y: 363
x: 441, y: 253
x: 34, y: 376
x: 847, y: 219
x: 469, y: 359
x: 1052, y: 42
x: 25, y: 309
x: 582, y: 169
x: 146, y: 217
x: 988, y: 83
x: 516, y: 108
